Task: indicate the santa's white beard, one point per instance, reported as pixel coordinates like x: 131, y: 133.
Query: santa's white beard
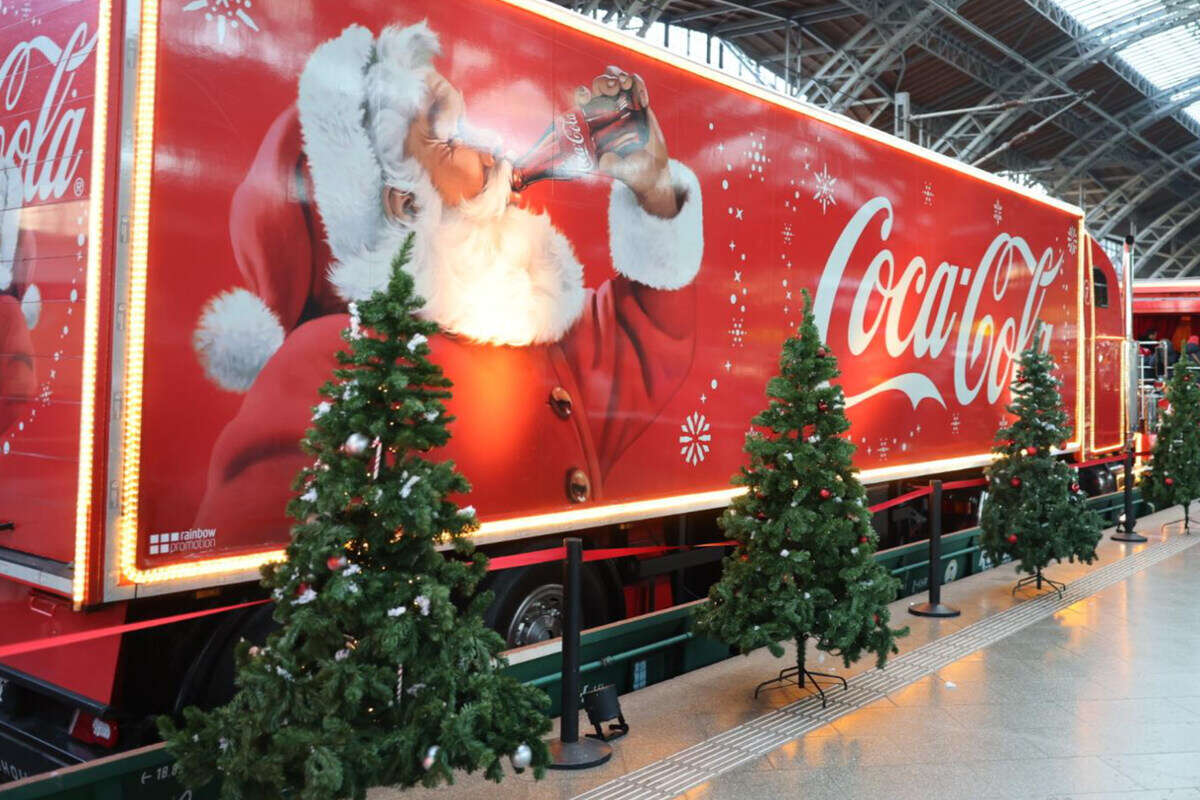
x: 494, y: 272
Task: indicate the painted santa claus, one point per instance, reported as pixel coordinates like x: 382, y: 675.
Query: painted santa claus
x: 553, y: 381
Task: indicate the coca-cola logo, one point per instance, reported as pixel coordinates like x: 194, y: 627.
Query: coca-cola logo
x: 950, y: 309
x: 45, y: 148
x: 573, y: 131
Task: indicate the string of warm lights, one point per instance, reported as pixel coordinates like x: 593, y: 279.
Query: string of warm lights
x: 91, y: 307
x: 127, y: 526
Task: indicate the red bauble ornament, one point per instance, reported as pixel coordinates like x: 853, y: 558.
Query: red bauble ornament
x: 1032, y: 451
x: 745, y: 557
x: 876, y: 619
x: 1015, y: 481
x: 335, y: 563
x: 821, y: 352
x: 862, y: 540
x: 1169, y: 481
x: 826, y: 494
x: 822, y: 406
x: 1163, y: 404
x: 760, y: 516
x: 1012, y: 539
x: 1074, y: 487
x: 302, y: 588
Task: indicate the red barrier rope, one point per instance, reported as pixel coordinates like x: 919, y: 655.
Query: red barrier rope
x: 20, y: 648
x: 895, y: 501
x: 546, y: 556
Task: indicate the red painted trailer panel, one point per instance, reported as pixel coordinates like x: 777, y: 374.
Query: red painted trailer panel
x: 88, y: 668
x: 928, y: 279
x: 1108, y: 371
x: 47, y: 79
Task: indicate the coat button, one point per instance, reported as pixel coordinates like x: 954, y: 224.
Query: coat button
x: 579, y: 487
x: 560, y: 402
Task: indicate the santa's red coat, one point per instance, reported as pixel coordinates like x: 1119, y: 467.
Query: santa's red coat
x: 528, y: 420
x: 618, y: 366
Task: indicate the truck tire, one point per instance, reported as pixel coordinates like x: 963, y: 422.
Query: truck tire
x: 527, y: 606
x: 209, y: 681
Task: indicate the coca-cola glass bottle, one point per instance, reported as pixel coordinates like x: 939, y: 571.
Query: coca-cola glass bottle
x: 573, y: 143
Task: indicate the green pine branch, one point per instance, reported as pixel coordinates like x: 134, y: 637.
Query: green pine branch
x: 377, y: 676
x: 803, y: 566
x: 1174, y: 474
x: 1035, y: 512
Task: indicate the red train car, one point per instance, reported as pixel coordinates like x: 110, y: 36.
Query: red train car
x: 614, y: 241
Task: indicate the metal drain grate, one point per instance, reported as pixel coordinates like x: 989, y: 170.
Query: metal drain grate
x: 670, y: 777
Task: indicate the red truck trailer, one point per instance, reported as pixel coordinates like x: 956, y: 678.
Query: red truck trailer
x: 614, y: 240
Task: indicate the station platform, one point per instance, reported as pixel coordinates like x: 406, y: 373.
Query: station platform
x: 1093, y: 695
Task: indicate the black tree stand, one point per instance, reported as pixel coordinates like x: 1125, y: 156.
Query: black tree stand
x: 569, y: 751
x: 1038, y: 578
x: 1187, y: 517
x: 798, y: 676
x: 935, y: 607
x: 1125, y: 529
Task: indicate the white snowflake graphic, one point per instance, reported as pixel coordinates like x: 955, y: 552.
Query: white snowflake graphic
x: 928, y: 193
x: 22, y: 9
x: 997, y: 212
x: 787, y: 233
x: 955, y: 424
x: 738, y: 332
x: 824, y: 193
x: 1072, y: 240
x: 225, y: 14
x: 695, y: 438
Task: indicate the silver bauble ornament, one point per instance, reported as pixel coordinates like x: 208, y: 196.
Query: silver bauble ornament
x: 522, y: 757
x: 356, y: 444
x: 430, y: 756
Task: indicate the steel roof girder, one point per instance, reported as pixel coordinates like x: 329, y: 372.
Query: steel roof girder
x: 1076, y: 55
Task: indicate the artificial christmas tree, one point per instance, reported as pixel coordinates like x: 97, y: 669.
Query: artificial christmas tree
x: 382, y: 672
x: 1174, y: 476
x: 1035, y: 510
x: 803, y: 567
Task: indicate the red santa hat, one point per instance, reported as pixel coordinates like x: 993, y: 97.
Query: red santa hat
x: 340, y: 146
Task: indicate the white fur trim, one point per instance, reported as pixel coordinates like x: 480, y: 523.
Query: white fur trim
x: 31, y: 306
x: 395, y: 93
x: 487, y: 270
x: 660, y: 253
x: 236, y: 336
x: 11, y: 199
x: 358, y: 275
x: 356, y: 100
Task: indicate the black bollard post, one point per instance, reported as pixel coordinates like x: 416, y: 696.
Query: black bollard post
x: 934, y: 607
x: 568, y: 751
x: 1125, y: 530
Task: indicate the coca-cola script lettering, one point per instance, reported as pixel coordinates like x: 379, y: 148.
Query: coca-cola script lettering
x: 45, y: 148
x: 983, y: 347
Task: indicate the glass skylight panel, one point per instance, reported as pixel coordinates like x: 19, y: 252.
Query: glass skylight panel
x: 1096, y: 13
x: 1166, y: 59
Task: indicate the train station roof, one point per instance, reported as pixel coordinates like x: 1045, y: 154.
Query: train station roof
x: 1093, y: 101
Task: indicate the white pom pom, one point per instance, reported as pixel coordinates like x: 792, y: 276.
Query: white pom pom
x: 238, y: 333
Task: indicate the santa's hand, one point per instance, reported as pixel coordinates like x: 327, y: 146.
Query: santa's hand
x: 644, y: 167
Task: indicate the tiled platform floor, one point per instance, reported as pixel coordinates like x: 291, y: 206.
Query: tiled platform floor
x: 1101, y: 700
